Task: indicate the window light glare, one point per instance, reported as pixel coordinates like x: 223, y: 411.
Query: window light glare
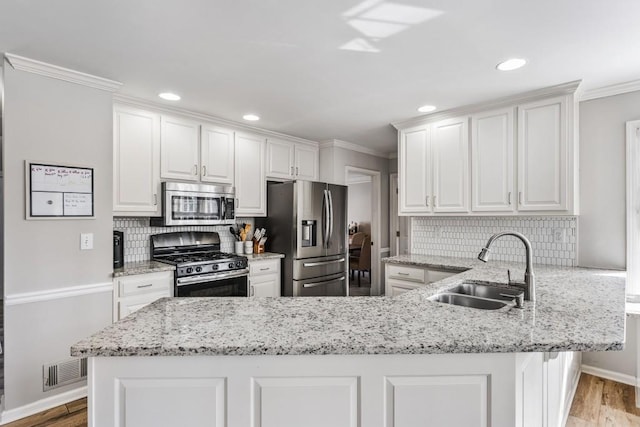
x: 511, y: 64
x: 427, y: 108
x: 169, y: 96
x: 251, y: 117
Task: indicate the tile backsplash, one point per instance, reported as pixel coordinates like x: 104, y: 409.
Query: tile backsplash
x: 553, y: 238
x: 137, y: 243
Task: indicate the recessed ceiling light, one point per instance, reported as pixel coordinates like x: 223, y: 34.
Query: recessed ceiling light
x: 427, y: 108
x: 511, y: 64
x: 169, y: 96
x: 251, y: 117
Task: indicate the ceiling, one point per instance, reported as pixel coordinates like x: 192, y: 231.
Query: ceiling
x: 329, y: 69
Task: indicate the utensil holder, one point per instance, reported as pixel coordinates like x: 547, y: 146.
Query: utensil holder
x: 239, y: 248
x: 248, y: 247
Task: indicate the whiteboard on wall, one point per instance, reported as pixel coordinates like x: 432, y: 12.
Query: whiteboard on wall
x: 57, y: 191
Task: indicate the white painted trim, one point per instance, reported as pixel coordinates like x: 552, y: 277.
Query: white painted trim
x: 633, y: 206
x: 53, y: 294
x: 10, y: 415
x: 358, y: 180
x: 48, y: 70
x: 611, y: 90
x: 610, y: 375
x: 572, y: 394
x: 376, y: 226
x: 534, y: 95
x: 162, y: 108
x: 385, y: 250
x: 354, y: 147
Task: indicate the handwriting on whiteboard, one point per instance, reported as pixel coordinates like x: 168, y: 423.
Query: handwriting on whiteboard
x: 61, y: 179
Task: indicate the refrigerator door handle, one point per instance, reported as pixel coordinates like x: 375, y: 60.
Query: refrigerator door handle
x: 324, y: 282
x: 330, y: 218
x: 325, y: 225
x: 319, y: 263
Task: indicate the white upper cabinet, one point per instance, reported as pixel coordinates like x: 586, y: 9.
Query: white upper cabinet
x: 250, y: 178
x: 542, y: 155
x: 179, y: 148
x: 450, y: 153
x: 415, y: 174
x: 136, y: 162
x: 217, y: 154
x: 289, y: 160
x: 524, y: 158
x: 492, y: 159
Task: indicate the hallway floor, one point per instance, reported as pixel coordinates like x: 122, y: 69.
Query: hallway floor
x: 364, y: 290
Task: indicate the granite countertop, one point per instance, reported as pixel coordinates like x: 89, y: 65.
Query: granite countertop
x: 142, y: 267
x: 576, y: 309
x: 263, y: 256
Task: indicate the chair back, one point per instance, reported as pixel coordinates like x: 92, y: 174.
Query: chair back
x: 357, y: 238
x: 364, y: 262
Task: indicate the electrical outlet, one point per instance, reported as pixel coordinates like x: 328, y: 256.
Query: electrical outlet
x: 86, y: 241
x: 560, y: 235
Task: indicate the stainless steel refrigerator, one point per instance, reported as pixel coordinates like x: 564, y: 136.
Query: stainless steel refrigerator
x: 307, y: 221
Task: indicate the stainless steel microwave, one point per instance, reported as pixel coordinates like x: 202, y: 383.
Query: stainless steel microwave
x: 196, y: 204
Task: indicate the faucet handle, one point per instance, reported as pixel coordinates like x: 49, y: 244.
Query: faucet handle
x: 508, y: 276
x: 518, y: 299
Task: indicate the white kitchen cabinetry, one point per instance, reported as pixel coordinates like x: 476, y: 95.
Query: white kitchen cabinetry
x: 561, y: 375
x: 250, y: 178
x: 434, y: 168
x: 131, y: 293
x: 542, y: 155
x: 401, y: 278
x: 450, y: 153
x: 136, y: 162
x: 217, y: 154
x: 531, y: 170
x: 289, y: 160
x: 179, y: 149
x: 264, y: 278
x: 492, y: 160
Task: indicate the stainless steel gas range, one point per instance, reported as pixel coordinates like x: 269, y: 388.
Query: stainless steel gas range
x: 201, y: 269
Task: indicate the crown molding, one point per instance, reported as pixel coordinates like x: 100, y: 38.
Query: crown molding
x: 534, y: 95
x: 355, y: 147
x: 162, y: 108
x: 42, y: 68
x: 611, y: 90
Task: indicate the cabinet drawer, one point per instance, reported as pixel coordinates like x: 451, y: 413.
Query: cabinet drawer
x: 257, y: 268
x: 410, y: 274
x: 145, y: 283
x: 126, y: 306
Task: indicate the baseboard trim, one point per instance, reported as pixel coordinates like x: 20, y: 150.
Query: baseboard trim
x: 42, y: 405
x: 610, y: 375
x: 71, y: 291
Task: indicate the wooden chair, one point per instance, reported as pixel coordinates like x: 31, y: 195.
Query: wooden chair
x: 362, y: 262
x: 356, y: 242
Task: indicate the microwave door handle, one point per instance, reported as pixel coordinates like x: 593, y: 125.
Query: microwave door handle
x: 223, y: 208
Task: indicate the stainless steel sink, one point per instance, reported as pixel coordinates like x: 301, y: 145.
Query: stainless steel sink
x: 468, y: 301
x: 486, y: 291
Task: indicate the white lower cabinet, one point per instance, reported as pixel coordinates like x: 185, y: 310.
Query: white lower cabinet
x: 401, y: 278
x: 264, y: 278
x: 405, y: 390
x: 131, y: 293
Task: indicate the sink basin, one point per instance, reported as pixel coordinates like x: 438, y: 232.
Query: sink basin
x: 486, y: 291
x: 468, y: 301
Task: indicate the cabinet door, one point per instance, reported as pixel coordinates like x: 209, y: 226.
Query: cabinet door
x: 280, y: 156
x: 251, y: 184
x: 179, y: 156
x: 492, y: 160
x: 265, y: 286
x: 216, y: 155
x: 450, y: 151
x: 136, y: 162
x: 415, y: 171
x: 306, y: 162
x: 542, y: 155
x: 398, y: 287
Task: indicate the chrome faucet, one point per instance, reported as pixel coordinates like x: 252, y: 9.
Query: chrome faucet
x: 529, y: 284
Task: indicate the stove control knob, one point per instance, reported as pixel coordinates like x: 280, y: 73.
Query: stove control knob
x: 189, y: 270
x: 239, y: 264
x: 230, y: 265
x: 198, y: 269
x: 214, y: 266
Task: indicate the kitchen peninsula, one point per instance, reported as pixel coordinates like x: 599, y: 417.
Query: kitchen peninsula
x: 365, y: 361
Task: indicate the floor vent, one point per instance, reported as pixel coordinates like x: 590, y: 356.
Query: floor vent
x: 63, y: 373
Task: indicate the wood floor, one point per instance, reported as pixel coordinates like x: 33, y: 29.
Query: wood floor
x: 597, y: 403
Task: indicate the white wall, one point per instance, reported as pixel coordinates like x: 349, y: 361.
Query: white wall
x: 359, y: 204
x: 52, y: 121
x: 601, y: 223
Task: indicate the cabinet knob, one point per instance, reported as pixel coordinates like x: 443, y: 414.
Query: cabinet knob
x: 204, y: 171
x: 155, y: 200
x: 427, y: 200
x: 509, y: 198
x: 195, y: 169
x: 519, y: 197
x: 291, y: 170
x: 297, y: 171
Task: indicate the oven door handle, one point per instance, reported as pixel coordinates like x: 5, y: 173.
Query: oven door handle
x: 324, y: 282
x: 181, y: 281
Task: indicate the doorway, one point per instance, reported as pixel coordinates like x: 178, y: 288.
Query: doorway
x: 398, y: 225
x: 363, y: 213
